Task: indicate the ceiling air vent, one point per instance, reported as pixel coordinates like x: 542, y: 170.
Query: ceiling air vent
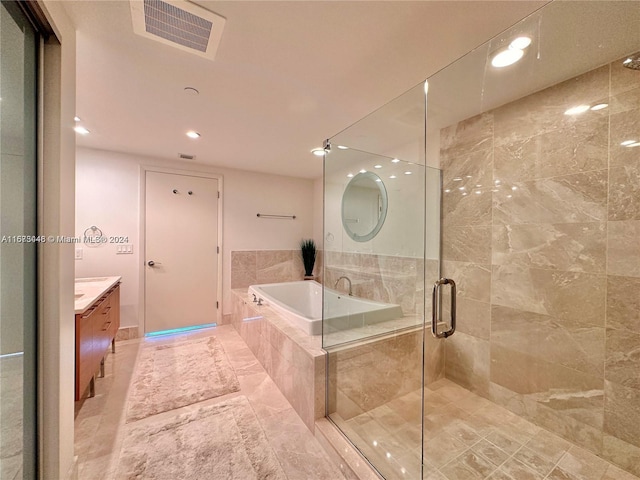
x: 179, y: 24
x: 184, y: 156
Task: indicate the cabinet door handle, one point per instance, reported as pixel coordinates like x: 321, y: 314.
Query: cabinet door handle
x: 106, y: 326
x: 106, y: 311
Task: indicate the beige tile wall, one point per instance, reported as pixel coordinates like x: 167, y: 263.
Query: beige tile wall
x: 383, y: 278
x: 547, y: 259
x: 251, y: 267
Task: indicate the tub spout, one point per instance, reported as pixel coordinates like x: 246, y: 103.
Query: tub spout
x: 348, y: 281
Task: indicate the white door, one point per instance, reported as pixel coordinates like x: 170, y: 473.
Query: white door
x: 181, y: 251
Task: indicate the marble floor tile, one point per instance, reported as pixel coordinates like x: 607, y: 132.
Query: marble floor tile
x: 100, y: 427
x: 469, y: 437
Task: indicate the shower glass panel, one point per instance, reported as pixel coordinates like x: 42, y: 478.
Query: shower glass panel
x: 381, y: 244
x: 540, y: 230
x: 373, y: 305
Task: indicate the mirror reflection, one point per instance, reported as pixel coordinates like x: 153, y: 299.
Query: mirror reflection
x: 364, y: 206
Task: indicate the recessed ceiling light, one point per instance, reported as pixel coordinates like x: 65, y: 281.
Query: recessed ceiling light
x: 577, y: 110
x: 457, y: 179
x: 627, y: 142
x: 350, y: 175
x: 509, y: 196
x: 520, y: 43
x: 363, y: 171
x: 392, y: 176
x: 447, y: 190
x: 76, y: 119
x: 318, y: 152
x: 465, y: 194
x: 378, y: 180
x: 600, y: 106
x: 408, y: 172
x: 81, y: 130
x: 395, y: 160
x: 506, y: 56
x: 478, y: 192
x: 497, y: 182
x: 193, y: 134
x: 461, y: 188
x: 342, y: 147
x: 478, y: 185
x: 514, y: 188
x: 637, y: 144
x: 377, y: 166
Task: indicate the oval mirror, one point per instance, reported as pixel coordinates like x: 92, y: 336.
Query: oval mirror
x: 364, y: 206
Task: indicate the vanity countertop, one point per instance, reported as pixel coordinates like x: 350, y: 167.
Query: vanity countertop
x: 88, y: 290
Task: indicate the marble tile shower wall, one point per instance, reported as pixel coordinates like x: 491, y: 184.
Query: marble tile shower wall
x: 251, y: 267
x: 383, y: 278
x: 541, y: 230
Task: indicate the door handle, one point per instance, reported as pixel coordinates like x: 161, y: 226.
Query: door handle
x: 151, y: 263
x: 435, y: 313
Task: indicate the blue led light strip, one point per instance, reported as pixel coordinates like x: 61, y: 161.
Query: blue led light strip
x: 180, y: 330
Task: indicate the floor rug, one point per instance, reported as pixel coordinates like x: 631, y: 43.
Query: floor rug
x: 222, y: 441
x: 177, y: 375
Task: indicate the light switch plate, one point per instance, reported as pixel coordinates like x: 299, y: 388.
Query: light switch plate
x: 78, y: 253
x: 124, y: 249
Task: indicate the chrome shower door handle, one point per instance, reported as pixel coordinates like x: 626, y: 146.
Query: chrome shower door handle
x: 435, y: 306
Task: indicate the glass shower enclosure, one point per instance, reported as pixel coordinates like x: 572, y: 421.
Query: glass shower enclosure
x: 521, y: 183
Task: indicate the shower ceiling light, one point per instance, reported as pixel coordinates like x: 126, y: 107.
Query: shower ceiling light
x: 627, y: 143
x: 363, y: 171
x: 395, y: 160
x: 377, y: 166
x: 599, y: 106
x: 318, y: 152
x: 350, y: 175
x: 507, y: 56
x: 511, y: 54
x: 577, y: 110
x: 408, y: 172
x: 637, y: 144
x: 392, y: 176
x: 193, y: 134
x: 520, y: 43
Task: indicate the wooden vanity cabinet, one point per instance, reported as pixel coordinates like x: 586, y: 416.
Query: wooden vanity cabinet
x: 96, y: 329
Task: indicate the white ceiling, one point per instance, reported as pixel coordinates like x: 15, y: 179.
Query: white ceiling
x: 287, y: 75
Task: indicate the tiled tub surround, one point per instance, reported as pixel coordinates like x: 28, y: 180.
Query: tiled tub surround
x: 547, y: 259
x: 251, y: 267
x: 295, y: 361
x: 366, y: 359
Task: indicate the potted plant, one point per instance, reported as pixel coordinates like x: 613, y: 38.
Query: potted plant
x: 308, y: 248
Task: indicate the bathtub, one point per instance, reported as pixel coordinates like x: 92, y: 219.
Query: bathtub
x: 300, y: 303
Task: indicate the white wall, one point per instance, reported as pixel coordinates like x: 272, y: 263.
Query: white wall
x: 403, y: 231
x: 107, y: 195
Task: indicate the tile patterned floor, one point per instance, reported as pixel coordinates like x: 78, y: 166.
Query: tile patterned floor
x: 99, y: 426
x: 468, y: 437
